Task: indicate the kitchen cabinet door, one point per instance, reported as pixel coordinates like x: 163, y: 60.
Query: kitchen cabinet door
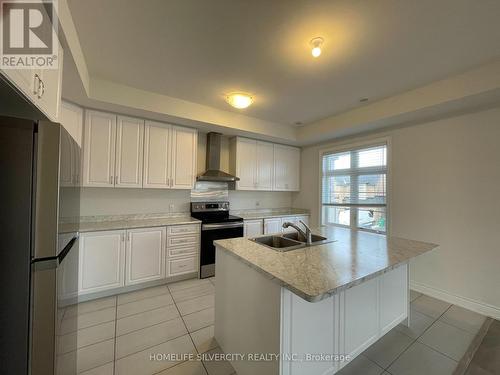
x: 252, y: 228
x: 49, y: 98
x: 129, y: 152
x: 145, y: 255
x: 286, y: 168
x: 184, y: 147
x: 393, y: 298
x: 246, y: 164
x: 99, y: 149
x: 360, y: 317
x: 71, y: 118
x: 265, y: 166
x: 272, y: 225
x: 157, y: 151
x: 101, y: 261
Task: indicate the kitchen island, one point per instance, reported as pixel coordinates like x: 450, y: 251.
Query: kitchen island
x: 310, y: 310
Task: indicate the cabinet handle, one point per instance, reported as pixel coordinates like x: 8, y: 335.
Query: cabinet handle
x: 116, y: 180
x: 36, y: 85
x: 41, y: 86
x: 123, y: 237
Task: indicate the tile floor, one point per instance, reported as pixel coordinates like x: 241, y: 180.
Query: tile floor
x: 116, y: 335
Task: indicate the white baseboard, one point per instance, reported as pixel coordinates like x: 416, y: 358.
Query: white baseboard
x: 466, y: 303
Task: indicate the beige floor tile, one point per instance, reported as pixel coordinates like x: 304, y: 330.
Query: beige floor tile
x: 463, y: 319
x: 218, y: 367
x: 361, y: 366
x: 141, y: 363
x: 430, y: 306
x: 193, y: 292
x: 86, y: 336
x: 196, y: 304
x: 185, y: 368
x: 186, y: 284
x: 414, y: 295
x: 418, y: 324
x: 87, y: 320
x: 200, y: 319
x: 145, y: 319
x: 144, y: 338
x: 106, y: 369
x: 422, y: 360
x: 388, y: 348
x: 141, y: 294
x: 90, y: 306
x: 447, y: 339
x: 204, y: 339
x: 87, y: 358
x: 474, y: 369
x: 142, y: 305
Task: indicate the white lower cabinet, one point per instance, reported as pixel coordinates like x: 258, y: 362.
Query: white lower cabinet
x: 252, y: 228
x: 272, y: 225
x: 183, y: 247
x: 101, y: 261
x: 115, y: 259
x: 144, y: 255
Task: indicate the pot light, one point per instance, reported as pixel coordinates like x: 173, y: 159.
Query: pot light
x: 316, y: 44
x: 239, y: 100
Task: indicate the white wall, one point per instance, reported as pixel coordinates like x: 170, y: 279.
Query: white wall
x: 108, y: 201
x: 445, y: 189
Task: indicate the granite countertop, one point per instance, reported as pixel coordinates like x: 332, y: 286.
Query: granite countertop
x: 269, y: 213
x: 127, y: 222
x: 316, y: 272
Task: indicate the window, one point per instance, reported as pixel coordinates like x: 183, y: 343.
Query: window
x: 354, y: 188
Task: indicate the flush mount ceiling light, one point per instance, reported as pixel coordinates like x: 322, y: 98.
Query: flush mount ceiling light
x: 239, y: 100
x: 316, y: 44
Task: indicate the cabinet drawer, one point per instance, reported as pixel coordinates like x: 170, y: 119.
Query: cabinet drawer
x: 183, y: 241
x: 180, y: 251
x: 180, y: 266
x: 179, y: 230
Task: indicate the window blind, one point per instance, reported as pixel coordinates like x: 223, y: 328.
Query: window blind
x: 354, y: 187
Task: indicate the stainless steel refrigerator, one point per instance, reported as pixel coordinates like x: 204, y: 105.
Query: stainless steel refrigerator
x: 39, y: 215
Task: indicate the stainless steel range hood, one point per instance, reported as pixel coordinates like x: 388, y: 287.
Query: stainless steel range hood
x: 213, y: 172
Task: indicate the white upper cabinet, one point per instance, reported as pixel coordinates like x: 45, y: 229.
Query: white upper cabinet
x: 169, y: 156
x: 264, y: 165
x: 42, y: 87
x: 286, y: 168
x: 184, y: 147
x: 129, y: 152
x: 245, y: 166
x: 71, y: 118
x: 157, y: 151
x: 99, y: 149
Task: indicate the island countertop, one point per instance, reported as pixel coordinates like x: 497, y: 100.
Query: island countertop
x: 316, y: 272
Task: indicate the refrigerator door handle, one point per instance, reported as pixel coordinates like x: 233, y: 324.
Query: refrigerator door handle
x: 67, y: 248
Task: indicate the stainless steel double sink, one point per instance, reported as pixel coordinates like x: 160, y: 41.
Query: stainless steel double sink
x: 289, y: 241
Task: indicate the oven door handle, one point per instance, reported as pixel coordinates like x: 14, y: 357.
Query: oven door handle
x: 221, y: 226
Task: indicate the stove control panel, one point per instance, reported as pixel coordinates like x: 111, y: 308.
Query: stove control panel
x: 209, y: 206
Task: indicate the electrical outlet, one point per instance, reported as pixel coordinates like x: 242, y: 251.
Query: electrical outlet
x: 171, y: 208
x: 257, y: 203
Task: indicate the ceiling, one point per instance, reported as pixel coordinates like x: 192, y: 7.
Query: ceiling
x: 198, y: 50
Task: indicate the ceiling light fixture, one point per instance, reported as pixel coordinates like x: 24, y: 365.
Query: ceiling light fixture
x: 239, y: 100
x: 316, y: 44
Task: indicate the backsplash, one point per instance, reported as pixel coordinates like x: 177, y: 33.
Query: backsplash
x: 107, y: 201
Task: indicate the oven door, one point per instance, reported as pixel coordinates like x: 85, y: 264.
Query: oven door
x: 211, y: 233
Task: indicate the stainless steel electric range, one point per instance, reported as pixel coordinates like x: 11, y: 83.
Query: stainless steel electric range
x: 216, y: 224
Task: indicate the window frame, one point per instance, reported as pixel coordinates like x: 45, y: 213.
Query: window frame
x: 343, y: 147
